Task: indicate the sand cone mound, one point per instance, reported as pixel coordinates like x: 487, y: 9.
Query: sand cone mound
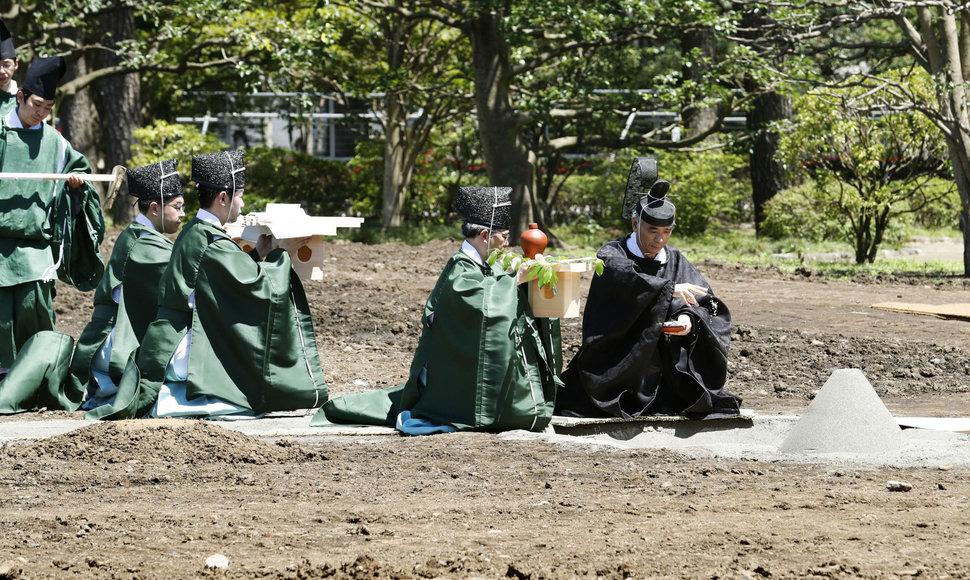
x: 846, y: 416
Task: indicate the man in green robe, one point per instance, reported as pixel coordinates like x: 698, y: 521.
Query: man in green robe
x: 483, y: 361
x: 48, y: 229
x: 233, y: 336
x: 8, y: 66
x: 127, y: 298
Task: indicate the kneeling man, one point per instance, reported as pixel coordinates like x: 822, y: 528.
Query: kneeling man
x: 233, y: 336
x: 629, y: 365
x: 483, y: 361
x: 127, y: 297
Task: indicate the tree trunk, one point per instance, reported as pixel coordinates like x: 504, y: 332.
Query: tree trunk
x: 397, y: 171
x: 267, y: 126
x: 944, y: 56
x: 77, y: 114
x: 508, y: 160
x: 698, y: 118
x: 121, y: 99
x: 959, y: 160
x: 768, y: 176
x: 396, y: 167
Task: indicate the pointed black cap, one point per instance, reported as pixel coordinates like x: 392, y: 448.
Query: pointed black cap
x: 43, y: 76
x: 223, y: 171
x: 155, y: 181
x: 655, y: 207
x: 486, y: 206
x: 7, y: 48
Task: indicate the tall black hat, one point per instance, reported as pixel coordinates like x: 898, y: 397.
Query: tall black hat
x: 158, y: 181
x: 7, y: 49
x: 43, y: 76
x: 223, y: 171
x: 642, y: 175
x: 655, y: 207
x: 486, y: 206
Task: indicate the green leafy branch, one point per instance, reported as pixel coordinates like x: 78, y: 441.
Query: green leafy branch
x: 541, y: 268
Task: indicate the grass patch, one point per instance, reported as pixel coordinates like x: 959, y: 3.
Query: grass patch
x: 732, y: 244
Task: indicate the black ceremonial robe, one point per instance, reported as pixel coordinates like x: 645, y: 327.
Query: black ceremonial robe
x: 626, y: 367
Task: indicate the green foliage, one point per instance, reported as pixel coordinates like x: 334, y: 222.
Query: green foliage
x: 367, y: 166
x: 740, y: 246
x: 592, y: 198
x: 586, y: 232
x: 868, y: 163
x: 705, y: 187
x: 542, y: 268
x: 321, y: 186
x: 439, y: 171
x: 944, y: 213
x: 163, y: 140
x: 803, y: 212
x: 371, y: 232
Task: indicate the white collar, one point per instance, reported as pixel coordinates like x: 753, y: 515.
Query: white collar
x: 209, y: 217
x: 143, y: 220
x: 471, y: 252
x: 634, y: 247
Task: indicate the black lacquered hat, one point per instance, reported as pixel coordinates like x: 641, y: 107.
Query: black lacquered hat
x: 43, y: 76
x: 158, y: 180
x: 487, y: 206
x: 7, y: 49
x: 224, y: 171
x: 642, y: 175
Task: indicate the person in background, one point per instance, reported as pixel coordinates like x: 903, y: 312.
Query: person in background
x: 9, y: 63
x: 48, y: 229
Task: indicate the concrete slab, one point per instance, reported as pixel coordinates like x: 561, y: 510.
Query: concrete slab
x: 32, y: 429
x: 759, y: 441
x: 752, y: 437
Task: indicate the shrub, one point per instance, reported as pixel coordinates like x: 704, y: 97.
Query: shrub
x: 161, y: 140
x: 801, y: 212
x: 806, y: 212
x: 321, y: 186
x: 705, y: 186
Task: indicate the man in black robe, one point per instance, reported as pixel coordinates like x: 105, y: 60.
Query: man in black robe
x: 629, y: 365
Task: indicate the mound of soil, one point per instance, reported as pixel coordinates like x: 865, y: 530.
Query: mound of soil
x: 164, y: 441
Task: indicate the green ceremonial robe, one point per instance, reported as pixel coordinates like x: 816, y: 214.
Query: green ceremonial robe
x: 45, y: 231
x: 252, y: 342
x: 140, y: 255
x: 8, y: 102
x: 38, y: 377
x: 483, y: 361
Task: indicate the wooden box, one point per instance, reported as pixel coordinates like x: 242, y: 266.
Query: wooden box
x: 565, y: 301
x: 283, y: 221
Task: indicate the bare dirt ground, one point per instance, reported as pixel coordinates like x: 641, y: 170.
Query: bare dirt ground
x: 154, y: 499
